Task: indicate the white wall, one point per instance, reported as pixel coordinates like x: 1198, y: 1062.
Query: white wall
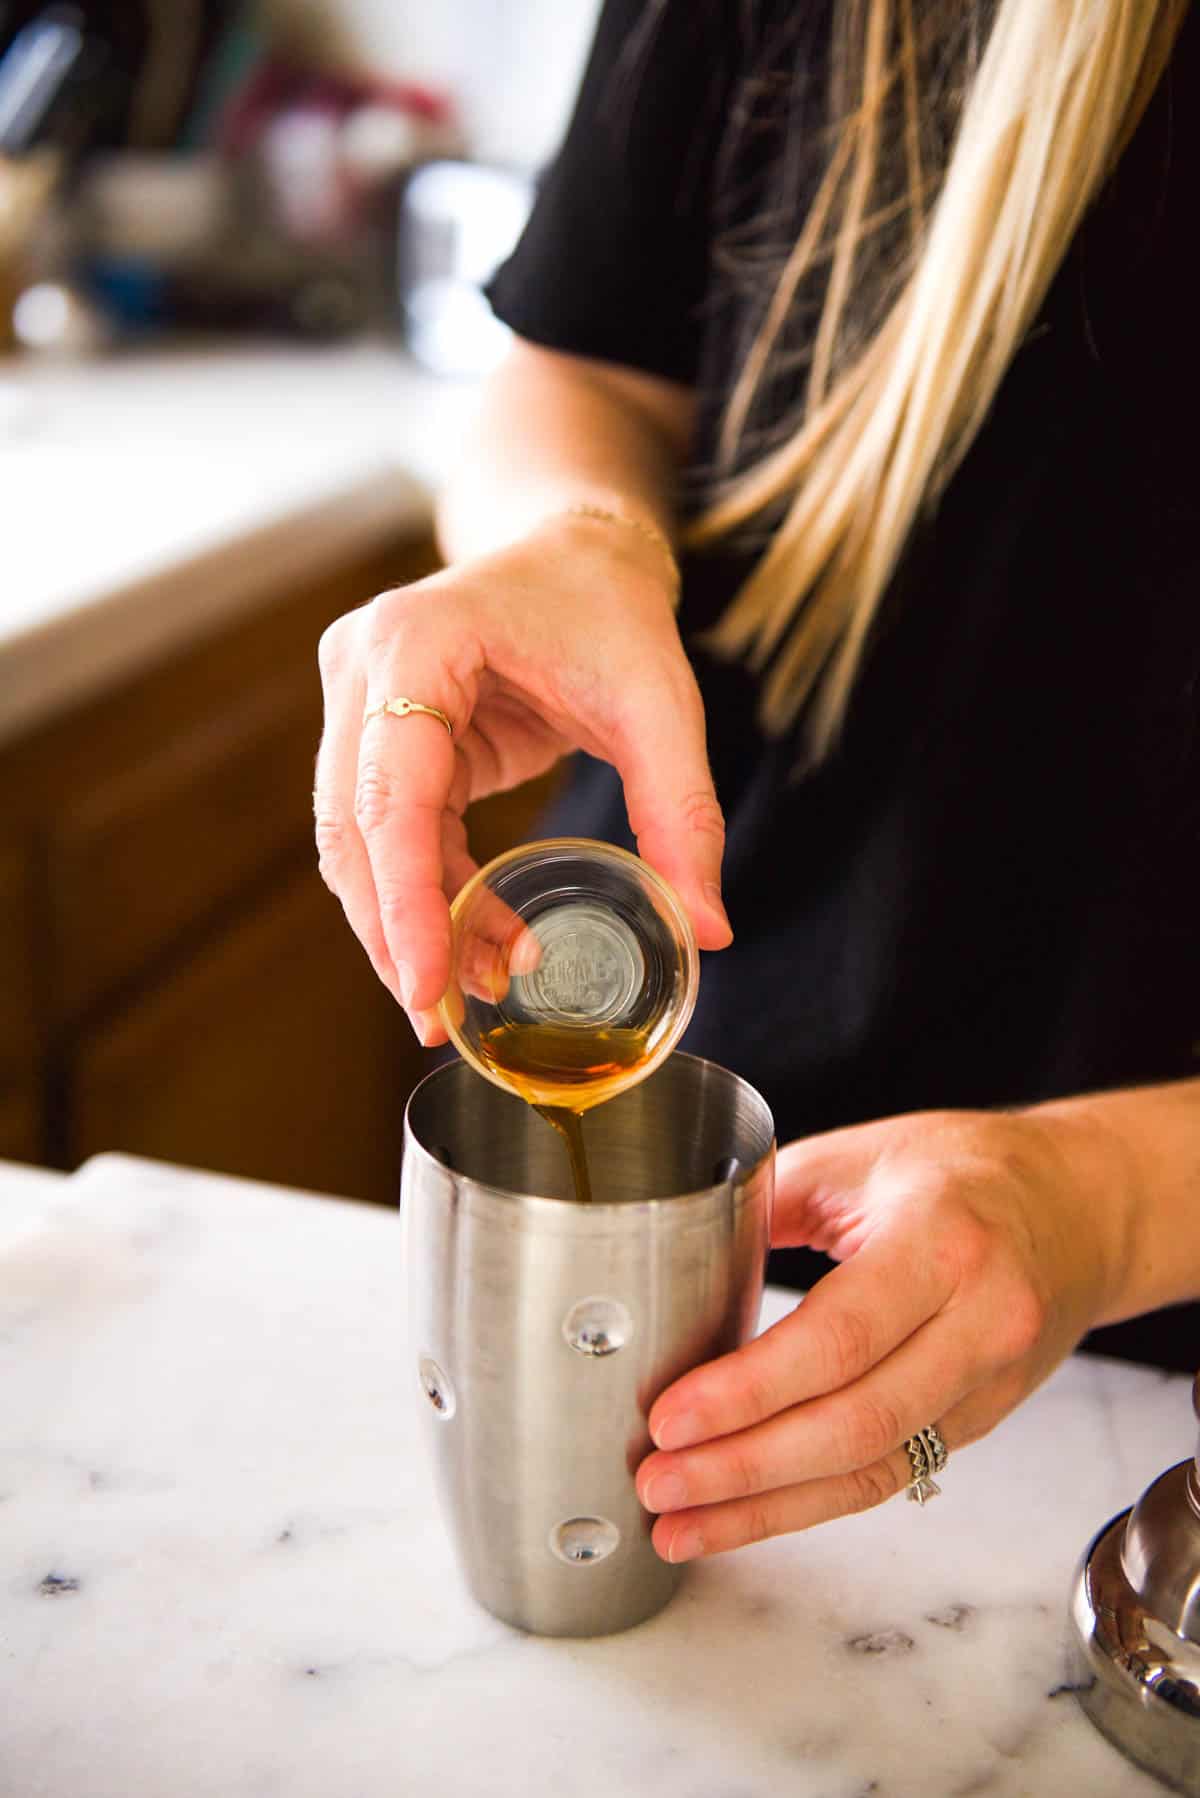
x: 513, y: 64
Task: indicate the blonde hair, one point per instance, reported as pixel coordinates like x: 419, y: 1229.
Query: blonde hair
x: 1045, y: 101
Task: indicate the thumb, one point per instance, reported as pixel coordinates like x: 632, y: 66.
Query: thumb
x: 661, y: 757
x: 819, y: 1183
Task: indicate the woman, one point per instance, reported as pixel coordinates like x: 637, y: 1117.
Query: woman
x: 845, y: 306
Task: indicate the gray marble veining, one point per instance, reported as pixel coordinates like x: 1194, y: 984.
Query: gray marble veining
x: 223, y: 1574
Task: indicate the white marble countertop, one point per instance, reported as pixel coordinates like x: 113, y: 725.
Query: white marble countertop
x: 223, y: 1573
x: 147, y: 496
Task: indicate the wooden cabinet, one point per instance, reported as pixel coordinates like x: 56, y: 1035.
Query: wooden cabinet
x: 281, y: 1057
x: 136, y: 857
x: 21, y: 1132
x: 20, y: 1124
x: 175, y: 980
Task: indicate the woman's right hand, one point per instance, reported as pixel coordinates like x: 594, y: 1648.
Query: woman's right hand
x: 564, y: 640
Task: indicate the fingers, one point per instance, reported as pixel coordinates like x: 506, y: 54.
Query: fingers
x: 687, y: 1534
x: 398, y: 802
x: 388, y: 793
x: 342, y: 855
x: 673, y: 811
x: 850, y: 1321
x: 836, y: 1434
x: 494, y: 944
x: 395, y: 785
x: 942, y: 1312
x: 817, y: 1184
x: 407, y: 772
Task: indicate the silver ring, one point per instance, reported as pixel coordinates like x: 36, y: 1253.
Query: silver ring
x: 927, y: 1455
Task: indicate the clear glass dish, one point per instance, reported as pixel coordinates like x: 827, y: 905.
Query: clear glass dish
x: 574, y: 972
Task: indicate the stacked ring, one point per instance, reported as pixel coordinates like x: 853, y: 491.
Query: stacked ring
x: 927, y: 1455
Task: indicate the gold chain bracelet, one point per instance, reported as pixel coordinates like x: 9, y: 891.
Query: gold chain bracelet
x: 650, y: 532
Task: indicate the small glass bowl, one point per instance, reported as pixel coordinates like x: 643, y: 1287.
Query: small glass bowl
x: 574, y: 972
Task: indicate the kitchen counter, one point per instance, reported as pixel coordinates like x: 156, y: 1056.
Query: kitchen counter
x: 151, y: 495
x: 224, y: 1574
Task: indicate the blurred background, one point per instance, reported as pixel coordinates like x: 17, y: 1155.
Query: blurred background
x: 241, y: 328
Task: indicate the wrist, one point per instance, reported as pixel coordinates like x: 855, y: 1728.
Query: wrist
x: 1097, y: 1167
x: 627, y: 520
x: 618, y: 530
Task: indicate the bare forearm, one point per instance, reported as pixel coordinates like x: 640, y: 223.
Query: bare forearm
x: 556, y: 431
x: 1140, y: 1149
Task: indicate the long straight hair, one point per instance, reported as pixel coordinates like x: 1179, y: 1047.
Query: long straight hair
x: 968, y: 139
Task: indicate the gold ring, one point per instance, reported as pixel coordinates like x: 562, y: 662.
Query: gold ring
x: 404, y: 708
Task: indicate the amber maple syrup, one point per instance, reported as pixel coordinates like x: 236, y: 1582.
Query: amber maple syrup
x: 575, y: 973
x: 562, y: 1071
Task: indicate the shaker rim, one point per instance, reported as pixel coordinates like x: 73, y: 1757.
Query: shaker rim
x: 597, y: 1208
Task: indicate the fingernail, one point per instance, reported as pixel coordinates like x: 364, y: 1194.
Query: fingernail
x: 679, y: 1431
x: 686, y: 1544
x: 525, y: 953
x: 425, y: 1024
x: 665, y: 1492
x: 712, y: 893
x: 408, y: 984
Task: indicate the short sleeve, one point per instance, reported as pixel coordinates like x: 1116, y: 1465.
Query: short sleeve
x: 614, y: 260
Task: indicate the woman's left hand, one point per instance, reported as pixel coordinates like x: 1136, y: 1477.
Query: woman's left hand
x: 976, y: 1249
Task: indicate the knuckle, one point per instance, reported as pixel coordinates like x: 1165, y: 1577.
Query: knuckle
x: 759, y: 1393
x: 965, y: 1250
x: 701, y: 813
x: 374, y: 798
x: 387, y: 612
x: 872, y: 1429
x: 393, y: 912
x: 684, y: 693
x: 1023, y: 1320
x: 849, y: 1345
x: 332, y: 648
x: 868, y: 1487
x: 331, y: 848
x: 743, y: 1475
x: 756, y: 1521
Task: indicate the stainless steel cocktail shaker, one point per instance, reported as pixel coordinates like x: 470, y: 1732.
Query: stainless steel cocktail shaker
x: 542, y: 1330
x: 1135, y: 1627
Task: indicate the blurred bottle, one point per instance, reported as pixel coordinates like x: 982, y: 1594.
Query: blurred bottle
x: 34, y: 69
x: 458, y: 222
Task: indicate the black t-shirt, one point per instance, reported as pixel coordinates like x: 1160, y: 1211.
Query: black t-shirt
x: 988, y: 893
